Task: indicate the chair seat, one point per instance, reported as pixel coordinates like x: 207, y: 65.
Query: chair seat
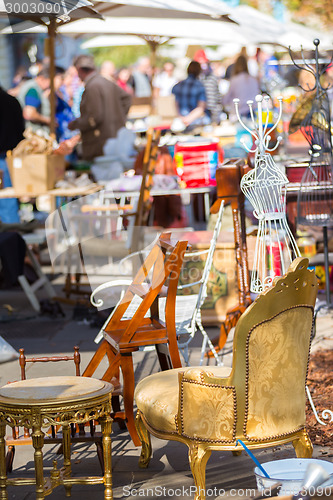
x: 157, y: 400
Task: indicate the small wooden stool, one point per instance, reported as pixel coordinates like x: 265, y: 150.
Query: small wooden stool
x: 39, y: 402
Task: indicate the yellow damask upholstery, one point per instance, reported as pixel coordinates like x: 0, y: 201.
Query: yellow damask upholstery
x: 156, y: 396
x: 211, y: 402
x: 261, y: 400
x: 277, y: 371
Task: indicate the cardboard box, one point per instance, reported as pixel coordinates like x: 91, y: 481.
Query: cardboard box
x: 165, y: 106
x: 35, y: 173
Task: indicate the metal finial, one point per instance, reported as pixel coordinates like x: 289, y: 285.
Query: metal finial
x: 260, y: 131
x: 316, y: 72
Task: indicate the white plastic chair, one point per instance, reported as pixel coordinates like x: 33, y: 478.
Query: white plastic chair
x: 188, y: 307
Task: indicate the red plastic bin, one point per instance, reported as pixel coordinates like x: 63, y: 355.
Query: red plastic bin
x: 196, y: 162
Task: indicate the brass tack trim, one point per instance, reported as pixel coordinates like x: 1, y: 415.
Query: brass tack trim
x: 246, y: 412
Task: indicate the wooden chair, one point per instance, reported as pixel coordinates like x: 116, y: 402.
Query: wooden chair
x: 122, y: 336
x: 24, y: 439
x: 260, y: 400
x: 188, y: 304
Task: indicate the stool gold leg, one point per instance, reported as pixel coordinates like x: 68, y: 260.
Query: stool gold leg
x: 66, y: 443
x: 38, y: 443
x: 106, y: 425
x: 3, y: 476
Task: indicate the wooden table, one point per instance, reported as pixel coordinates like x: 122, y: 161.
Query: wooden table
x: 64, y: 194
x: 71, y: 192
x: 41, y: 402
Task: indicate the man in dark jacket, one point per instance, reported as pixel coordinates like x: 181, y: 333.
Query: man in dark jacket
x: 11, y: 133
x: 103, y: 109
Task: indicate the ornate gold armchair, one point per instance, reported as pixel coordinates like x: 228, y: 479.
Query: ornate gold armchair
x: 260, y: 400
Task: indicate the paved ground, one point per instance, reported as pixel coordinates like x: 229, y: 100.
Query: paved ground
x: 168, y: 475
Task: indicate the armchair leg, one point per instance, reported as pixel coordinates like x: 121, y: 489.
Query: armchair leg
x: 144, y: 436
x: 198, y: 456
x: 303, y: 446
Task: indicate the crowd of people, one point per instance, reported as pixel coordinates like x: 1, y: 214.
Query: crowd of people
x: 92, y: 104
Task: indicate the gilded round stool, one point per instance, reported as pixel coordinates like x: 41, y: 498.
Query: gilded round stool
x: 38, y: 403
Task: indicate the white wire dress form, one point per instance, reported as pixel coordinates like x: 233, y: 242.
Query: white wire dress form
x: 265, y: 188
x: 315, y: 197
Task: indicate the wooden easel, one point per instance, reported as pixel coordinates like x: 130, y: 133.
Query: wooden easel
x: 228, y: 177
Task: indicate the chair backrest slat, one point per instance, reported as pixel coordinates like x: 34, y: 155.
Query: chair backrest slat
x: 23, y: 360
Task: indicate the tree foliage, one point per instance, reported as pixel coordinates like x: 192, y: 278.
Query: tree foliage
x: 310, y: 12
x: 121, y: 56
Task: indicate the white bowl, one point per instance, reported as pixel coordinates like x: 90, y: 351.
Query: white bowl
x: 178, y: 125
x: 290, y: 472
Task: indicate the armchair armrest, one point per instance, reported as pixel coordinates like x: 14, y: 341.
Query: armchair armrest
x: 207, y: 409
x: 206, y: 377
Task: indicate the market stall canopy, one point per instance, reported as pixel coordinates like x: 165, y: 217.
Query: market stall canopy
x: 165, y: 27
x: 198, y: 9
x: 134, y: 40
x: 50, y: 14
x: 284, y: 34
x: 173, y: 9
x: 258, y: 24
x: 172, y: 28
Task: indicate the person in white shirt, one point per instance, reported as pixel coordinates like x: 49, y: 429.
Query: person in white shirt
x: 165, y: 81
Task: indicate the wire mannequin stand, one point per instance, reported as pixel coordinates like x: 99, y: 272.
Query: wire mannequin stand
x: 265, y: 188
x: 315, y: 198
